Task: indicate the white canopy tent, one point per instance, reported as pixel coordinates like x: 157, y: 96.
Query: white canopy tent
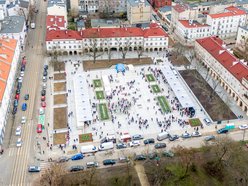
x: 82, y: 100
x: 182, y: 95
x: 106, y: 84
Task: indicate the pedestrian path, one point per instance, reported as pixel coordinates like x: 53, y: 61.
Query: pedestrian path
x: 44, y: 166
x: 142, y: 175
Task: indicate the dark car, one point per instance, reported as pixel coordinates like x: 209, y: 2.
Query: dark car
x: 15, y: 103
x: 45, y: 67
x: 149, y: 141
x: 14, y: 110
x: 152, y: 155
x: 109, y: 162
x: 76, y: 168
x: 43, y: 92
x: 19, y: 85
x: 159, y: 145
x: 45, y: 73
x: 222, y: 131
x: 26, y: 97
x: 33, y: 169
x: 209, y: 138
x: 168, y: 154
x: 121, y: 146
x: 62, y: 159
x: 173, y: 137
x: 23, y: 68
x: 24, y: 106
x: 78, y: 156
x: 140, y: 157
x: 18, y: 91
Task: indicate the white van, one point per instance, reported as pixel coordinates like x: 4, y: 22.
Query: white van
x: 162, y: 136
x: 88, y: 149
x: 106, y: 146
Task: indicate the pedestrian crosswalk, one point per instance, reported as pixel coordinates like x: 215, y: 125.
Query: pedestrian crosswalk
x: 44, y: 166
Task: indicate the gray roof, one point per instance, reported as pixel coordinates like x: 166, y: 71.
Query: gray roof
x: 244, y: 27
x: 24, y: 4
x: 141, y: 25
x: 241, y: 2
x: 242, y: 8
x: 105, y: 22
x: 56, y: 2
x: 165, y: 9
x: 12, y: 4
x: 80, y: 24
x: 137, y: 2
x: 12, y: 24
x: 2, y: 2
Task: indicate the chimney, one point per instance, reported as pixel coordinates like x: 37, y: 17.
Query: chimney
x: 235, y: 62
x: 221, y: 51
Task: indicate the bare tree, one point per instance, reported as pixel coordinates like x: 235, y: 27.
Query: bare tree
x: 124, y: 46
x: 53, y: 175
x: 140, y: 51
x: 94, y: 47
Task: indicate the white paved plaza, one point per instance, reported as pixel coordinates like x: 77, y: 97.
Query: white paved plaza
x: 144, y: 115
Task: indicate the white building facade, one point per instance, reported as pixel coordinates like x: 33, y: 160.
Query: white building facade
x: 225, y: 68
x: 242, y: 38
x: 9, y: 58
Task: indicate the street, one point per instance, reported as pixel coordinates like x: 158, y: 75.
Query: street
x: 16, y: 160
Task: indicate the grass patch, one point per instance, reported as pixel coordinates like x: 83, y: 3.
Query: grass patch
x: 100, y: 95
x: 60, y: 118
x: 164, y: 104
x: 59, y: 138
x: 156, y: 89
x: 150, y: 77
x: 85, y: 138
x: 103, y: 111
x: 97, y: 83
x: 57, y: 87
x: 59, y: 99
x: 195, y: 122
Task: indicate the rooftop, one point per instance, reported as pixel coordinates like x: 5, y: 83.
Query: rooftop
x: 231, y: 11
x: 105, y: 22
x: 215, y: 46
x: 106, y: 33
x: 12, y: 24
x: 194, y: 24
x: 2, y: 2
x: 7, y: 51
x: 180, y: 7
x: 165, y: 9
x: 56, y: 2
x: 137, y: 2
x: 55, y: 21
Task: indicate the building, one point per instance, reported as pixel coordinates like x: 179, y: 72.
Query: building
x: 80, y: 25
x: 113, y: 6
x: 165, y: 14
x: 226, y: 24
x: 84, y: 6
x: 14, y: 27
x: 57, y: 8
x: 242, y: 38
x: 56, y: 22
x: 138, y: 11
x: 224, y: 67
x: 105, y: 23
x: 159, y: 3
x: 191, y: 30
x: 9, y: 58
x: 104, y: 39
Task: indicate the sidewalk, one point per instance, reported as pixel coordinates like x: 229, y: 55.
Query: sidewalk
x: 142, y: 175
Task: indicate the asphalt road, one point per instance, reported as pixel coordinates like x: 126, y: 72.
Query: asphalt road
x: 18, y: 159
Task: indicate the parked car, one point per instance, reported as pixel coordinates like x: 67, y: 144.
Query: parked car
x: 18, y: 91
x: 78, y: 156
x: 19, y: 85
x: 134, y: 143
x: 222, y: 131
x: 39, y: 128
x: 23, y: 68
x: 15, y: 103
x: 121, y: 146
x: 196, y: 134
x: 159, y: 145
x: 92, y: 164
x: 137, y: 137
x: 43, y: 104
x: 186, y: 135
x: 43, y: 98
x: 44, y: 79
x: 20, y: 80
x: 17, y: 96
x: 41, y: 111
x: 43, y: 92
x: 149, y: 141
x: 45, y: 67
x: 14, y: 110
x: 24, y: 106
x: 44, y: 86
x: 168, y: 153
x: 45, y: 73
x: 26, y: 97
x: 173, y: 137
x: 18, y: 131
x: 140, y: 157
x: 62, y: 159
x: 207, y: 121
x: 22, y: 74
x: 123, y: 159
x: 209, y: 138
x: 19, y: 142
x: 23, y: 120
x: 33, y: 169
x: 243, y: 127
x: 109, y: 162
x: 76, y: 168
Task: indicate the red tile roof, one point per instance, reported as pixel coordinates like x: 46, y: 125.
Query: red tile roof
x: 106, y: 33
x: 186, y: 24
x: 231, y: 11
x: 214, y: 46
x: 180, y: 8
x: 55, y: 21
